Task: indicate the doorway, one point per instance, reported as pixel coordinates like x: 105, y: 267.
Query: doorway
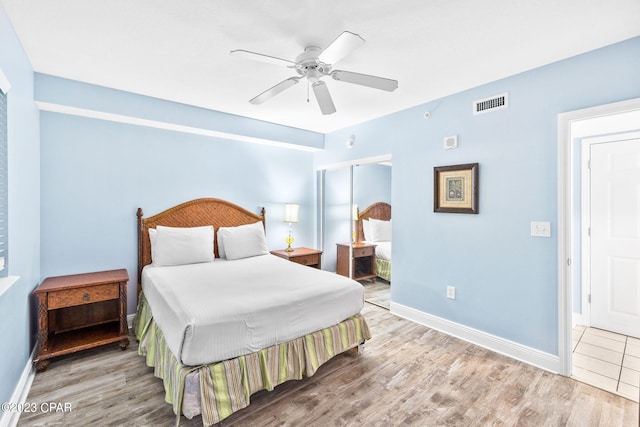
x: 606, y: 348
x: 574, y: 127
x: 611, y: 233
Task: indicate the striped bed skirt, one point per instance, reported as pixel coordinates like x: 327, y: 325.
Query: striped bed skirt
x: 222, y: 388
x: 383, y: 269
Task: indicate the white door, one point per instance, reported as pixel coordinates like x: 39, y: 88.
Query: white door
x: 615, y: 236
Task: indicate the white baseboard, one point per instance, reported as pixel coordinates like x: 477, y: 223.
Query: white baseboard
x: 540, y: 359
x: 10, y: 419
x: 577, y: 319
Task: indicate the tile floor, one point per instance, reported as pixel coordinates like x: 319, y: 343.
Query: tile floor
x: 607, y: 360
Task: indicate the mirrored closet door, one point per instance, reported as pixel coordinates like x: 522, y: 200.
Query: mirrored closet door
x: 354, y: 232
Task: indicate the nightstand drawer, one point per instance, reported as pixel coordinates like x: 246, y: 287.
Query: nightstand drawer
x: 307, y: 259
x: 356, y: 260
x: 366, y: 251
x: 86, y: 295
x: 303, y: 256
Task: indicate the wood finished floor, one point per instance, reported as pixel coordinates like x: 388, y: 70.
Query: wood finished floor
x: 407, y: 375
x: 377, y: 293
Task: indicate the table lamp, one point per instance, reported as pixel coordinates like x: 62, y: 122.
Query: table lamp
x: 354, y: 227
x: 290, y: 216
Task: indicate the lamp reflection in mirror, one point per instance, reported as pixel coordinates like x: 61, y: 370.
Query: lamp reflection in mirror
x: 290, y: 216
x: 354, y: 219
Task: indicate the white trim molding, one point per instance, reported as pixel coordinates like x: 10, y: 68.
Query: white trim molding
x: 130, y: 318
x: 531, y: 356
x: 383, y: 158
x: 120, y: 118
x: 20, y: 393
x: 7, y: 282
x: 4, y: 82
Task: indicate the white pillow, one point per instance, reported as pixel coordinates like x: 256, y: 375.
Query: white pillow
x: 153, y: 235
x: 221, y: 252
x: 380, y: 230
x: 366, y: 229
x: 243, y: 241
x: 178, y: 246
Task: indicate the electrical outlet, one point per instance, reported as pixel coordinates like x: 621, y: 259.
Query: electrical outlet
x: 540, y: 229
x: 451, y: 292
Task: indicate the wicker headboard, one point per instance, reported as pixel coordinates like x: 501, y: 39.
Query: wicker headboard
x: 379, y: 210
x: 195, y: 213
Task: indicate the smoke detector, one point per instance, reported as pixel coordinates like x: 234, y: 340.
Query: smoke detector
x: 451, y: 142
x: 351, y: 141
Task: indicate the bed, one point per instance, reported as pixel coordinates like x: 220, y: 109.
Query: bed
x: 219, y: 318
x: 378, y: 233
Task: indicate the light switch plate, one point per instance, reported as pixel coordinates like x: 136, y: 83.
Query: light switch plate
x: 540, y: 229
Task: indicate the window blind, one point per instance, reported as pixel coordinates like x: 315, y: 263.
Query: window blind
x: 4, y: 200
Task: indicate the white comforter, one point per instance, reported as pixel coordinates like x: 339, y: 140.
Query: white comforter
x: 383, y: 250
x: 223, y: 309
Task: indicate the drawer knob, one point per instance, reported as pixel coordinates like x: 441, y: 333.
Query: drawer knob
x: 85, y: 297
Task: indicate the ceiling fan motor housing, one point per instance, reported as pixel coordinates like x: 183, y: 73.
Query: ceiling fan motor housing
x: 308, y: 64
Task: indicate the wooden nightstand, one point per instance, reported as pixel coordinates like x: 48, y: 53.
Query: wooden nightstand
x: 304, y: 256
x: 364, y: 260
x: 81, y: 311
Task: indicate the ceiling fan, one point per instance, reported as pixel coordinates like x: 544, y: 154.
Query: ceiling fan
x: 314, y: 64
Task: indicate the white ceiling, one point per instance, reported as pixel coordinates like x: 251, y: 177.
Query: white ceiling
x: 179, y: 50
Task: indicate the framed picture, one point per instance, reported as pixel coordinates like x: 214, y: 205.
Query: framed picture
x: 455, y: 188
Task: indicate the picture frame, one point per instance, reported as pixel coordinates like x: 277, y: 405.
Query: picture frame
x: 455, y: 188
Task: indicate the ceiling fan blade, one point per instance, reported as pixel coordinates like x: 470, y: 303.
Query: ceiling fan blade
x: 323, y: 97
x: 365, y: 80
x: 341, y: 47
x: 270, y: 93
x: 262, y: 58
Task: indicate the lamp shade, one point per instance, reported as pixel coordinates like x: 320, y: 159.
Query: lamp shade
x: 354, y: 212
x: 291, y: 212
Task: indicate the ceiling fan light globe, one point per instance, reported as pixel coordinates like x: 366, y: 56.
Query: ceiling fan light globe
x: 313, y: 75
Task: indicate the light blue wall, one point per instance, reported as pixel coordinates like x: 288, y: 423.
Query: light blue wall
x: 96, y: 173
x: 16, y: 328
x: 337, y: 214
x: 371, y: 184
x: 74, y: 194
x: 56, y: 90
x: 369, y: 142
x: 506, y: 280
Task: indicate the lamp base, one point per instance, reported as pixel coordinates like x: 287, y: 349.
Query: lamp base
x: 289, y: 241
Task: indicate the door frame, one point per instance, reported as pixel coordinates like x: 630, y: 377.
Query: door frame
x: 569, y: 127
x: 585, y: 247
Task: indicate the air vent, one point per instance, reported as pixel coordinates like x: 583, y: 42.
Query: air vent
x: 493, y: 103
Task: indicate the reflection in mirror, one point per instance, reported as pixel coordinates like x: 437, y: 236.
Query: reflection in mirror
x: 371, y: 184
x: 372, y: 195
x: 365, y: 189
